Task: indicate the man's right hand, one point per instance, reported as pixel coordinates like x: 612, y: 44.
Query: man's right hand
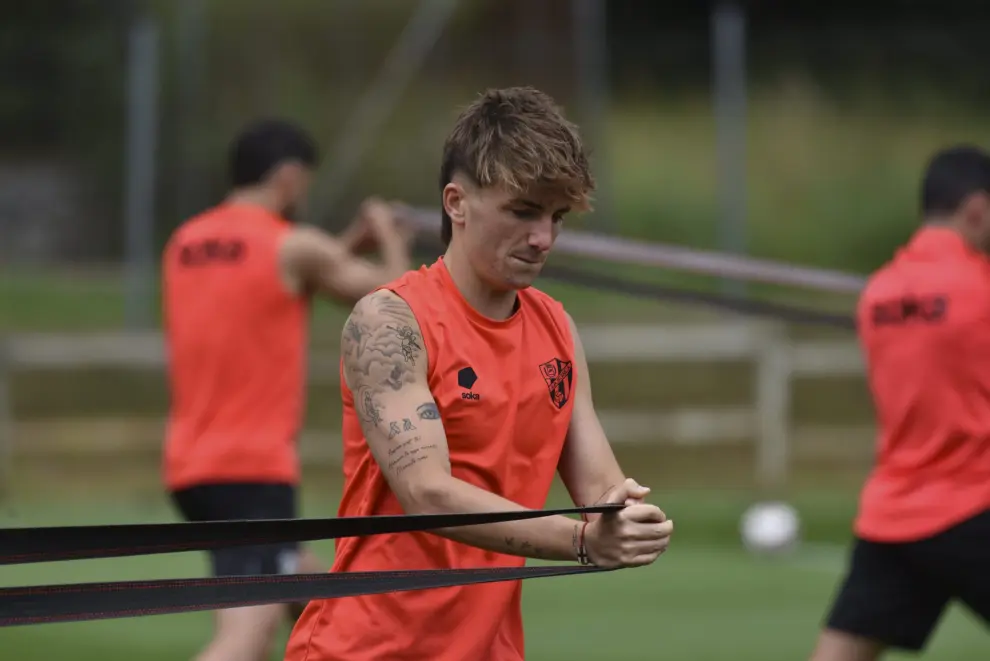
x: 385, y: 220
x: 631, y: 537
x: 358, y: 237
x: 379, y: 221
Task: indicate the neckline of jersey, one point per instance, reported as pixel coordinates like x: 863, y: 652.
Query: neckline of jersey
x: 473, y: 314
x: 252, y: 210
x: 940, y: 239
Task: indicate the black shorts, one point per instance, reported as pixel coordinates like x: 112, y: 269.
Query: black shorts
x: 895, y: 593
x: 241, y: 501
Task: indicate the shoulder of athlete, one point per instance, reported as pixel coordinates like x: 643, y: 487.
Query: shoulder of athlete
x: 182, y: 232
x: 304, y: 251
x: 571, y: 324
x: 570, y: 321
x: 539, y: 295
x: 880, y: 281
x: 382, y: 333
x: 581, y: 359
x: 382, y: 307
x: 305, y: 245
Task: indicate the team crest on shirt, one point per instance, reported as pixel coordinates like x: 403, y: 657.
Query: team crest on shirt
x: 559, y: 374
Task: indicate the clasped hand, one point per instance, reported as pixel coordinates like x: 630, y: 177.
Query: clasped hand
x: 634, y: 536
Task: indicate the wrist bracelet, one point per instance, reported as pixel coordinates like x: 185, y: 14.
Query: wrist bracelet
x: 582, y: 549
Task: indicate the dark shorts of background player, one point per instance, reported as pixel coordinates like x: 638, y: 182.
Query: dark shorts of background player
x: 240, y: 501
x: 895, y: 593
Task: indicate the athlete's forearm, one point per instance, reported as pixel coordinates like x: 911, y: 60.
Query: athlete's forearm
x: 351, y: 236
x: 546, y: 538
x: 589, y: 469
x: 594, y: 490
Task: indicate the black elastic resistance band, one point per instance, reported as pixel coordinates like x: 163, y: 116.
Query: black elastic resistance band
x: 50, y: 604
x: 31, y: 545
x: 100, y: 601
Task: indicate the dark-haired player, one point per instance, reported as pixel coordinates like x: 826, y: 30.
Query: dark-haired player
x: 237, y: 280
x: 923, y: 527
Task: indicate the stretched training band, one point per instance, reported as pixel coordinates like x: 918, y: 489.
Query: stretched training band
x: 50, y: 604
x: 98, y: 601
x: 31, y: 545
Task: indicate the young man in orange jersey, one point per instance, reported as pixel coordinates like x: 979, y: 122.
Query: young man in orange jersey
x: 923, y: 527
x: 465, y: 390
x: 237, y: 284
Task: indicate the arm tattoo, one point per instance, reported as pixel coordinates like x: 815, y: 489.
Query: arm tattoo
x: 380, y: 346
x: 371, y: 412
x: 428, y: 411
x: 525, y: 548
x: 382, y: 350
x: 407, y: 454
x: 353, y: 332
x: 409, y: 339
x: 394, y: 428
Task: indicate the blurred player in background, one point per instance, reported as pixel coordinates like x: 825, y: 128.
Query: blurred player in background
x: 923, y: 527
x: 467, y: 390
x: 237, y: 285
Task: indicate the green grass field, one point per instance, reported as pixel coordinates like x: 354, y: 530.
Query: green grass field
x: 705, y: 600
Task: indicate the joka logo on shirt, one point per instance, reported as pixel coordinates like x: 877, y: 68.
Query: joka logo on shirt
x: 466, y: 379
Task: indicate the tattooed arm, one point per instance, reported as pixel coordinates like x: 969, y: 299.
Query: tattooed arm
x: 587, y: 467
x: 385, y: 367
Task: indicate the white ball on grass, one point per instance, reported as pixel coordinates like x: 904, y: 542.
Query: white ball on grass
x: 770, y: 528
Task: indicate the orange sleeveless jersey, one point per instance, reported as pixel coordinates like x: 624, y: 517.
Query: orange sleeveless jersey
x: 503, y: 389
x: 924, y: 325
x: 236, y: 343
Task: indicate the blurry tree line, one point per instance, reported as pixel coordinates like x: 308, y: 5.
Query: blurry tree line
x: 64, y: 64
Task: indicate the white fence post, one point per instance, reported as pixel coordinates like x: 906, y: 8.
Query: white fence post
x: 6, y: 417
x: 773, y: 407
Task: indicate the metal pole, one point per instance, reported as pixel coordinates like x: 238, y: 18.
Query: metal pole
x: 141, y: 146
x: 729, y: 57
x: 190, y: 43
x: 591, y: 45
x: 404, y: 60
